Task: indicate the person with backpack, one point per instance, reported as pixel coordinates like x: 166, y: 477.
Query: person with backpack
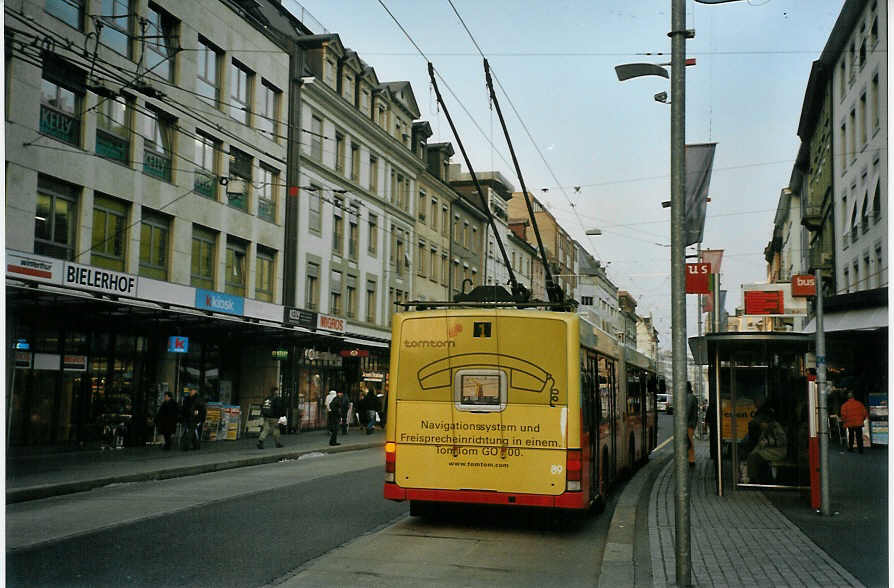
x: 272, y: 410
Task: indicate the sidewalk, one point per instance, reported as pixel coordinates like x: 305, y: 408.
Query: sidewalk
x: 41, y: 475
x: 741, y: 539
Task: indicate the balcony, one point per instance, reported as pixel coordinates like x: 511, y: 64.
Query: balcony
x: 60, y: 125
x: 112, y: 147
x: 267, y: 209
x: 157, y: 165
x: 813, y: 217
x: 205, y: 184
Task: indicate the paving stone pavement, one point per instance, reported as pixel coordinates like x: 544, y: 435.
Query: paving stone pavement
x: 739, y: 539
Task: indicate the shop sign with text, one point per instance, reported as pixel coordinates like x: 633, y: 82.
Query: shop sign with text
x: 219, y: 302
x: 299, y: 317
x: 33, y: 267
x: 330, y: 323
x: 99, y: 280
x: 698, y: 278
x: 804, y: 285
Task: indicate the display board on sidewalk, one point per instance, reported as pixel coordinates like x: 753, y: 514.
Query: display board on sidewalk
x: 878, y: 419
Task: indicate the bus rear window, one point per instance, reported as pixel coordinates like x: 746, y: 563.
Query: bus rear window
x: 480, y: 390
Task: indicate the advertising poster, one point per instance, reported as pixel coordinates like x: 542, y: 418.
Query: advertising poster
x: 254, y: 421
x: 745, y: 410
x: 212, y: 421
x: 232, y: 416
x: 878, y: 419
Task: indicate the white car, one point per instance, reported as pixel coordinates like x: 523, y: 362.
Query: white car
x: 664, y: 403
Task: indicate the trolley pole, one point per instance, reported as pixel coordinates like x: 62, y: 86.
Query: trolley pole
x: 822, y: 401
x: 678, y: 35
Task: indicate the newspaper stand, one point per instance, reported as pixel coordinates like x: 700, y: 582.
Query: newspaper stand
x: 758, y: 385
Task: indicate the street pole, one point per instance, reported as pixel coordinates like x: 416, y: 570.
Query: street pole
x: 822, y: 401
x: 678, y: 36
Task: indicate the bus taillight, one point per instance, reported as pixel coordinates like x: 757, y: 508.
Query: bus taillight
x: 390, y: 451
x: 572, y: 470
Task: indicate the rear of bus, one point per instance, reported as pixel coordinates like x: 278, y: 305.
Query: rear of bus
x: 484, y: 408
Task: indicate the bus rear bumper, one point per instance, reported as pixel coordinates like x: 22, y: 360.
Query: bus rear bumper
x: 568, y: 500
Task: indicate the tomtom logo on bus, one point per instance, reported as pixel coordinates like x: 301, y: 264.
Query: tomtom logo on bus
x: 429, y: 343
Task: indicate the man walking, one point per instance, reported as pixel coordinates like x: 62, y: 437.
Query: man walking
x: 166, y: 419
x: 853, y: 413
x: 272, y: 410
x: 370, y: 405
x: 336, y: 407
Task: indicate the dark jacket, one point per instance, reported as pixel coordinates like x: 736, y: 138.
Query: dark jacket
x: 166, y: 419
x: 273, y: 407
x: 193, y: 410
x: 369, y: 402
x: 691, y: 411
x: 339, y: 406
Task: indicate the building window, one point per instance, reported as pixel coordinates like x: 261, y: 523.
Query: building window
x: 60, y: 102
x: 847, y: 280
x: 370, y: 301
x: 113, y: 130
x: 445, y: 269
x: 843, y: 147
x: 315, y: 217
x: 338, y: 228
x: 856, y: 274
x: 351, y: 297
x: 208, y: 72
x: 264, y: 270
x: 203, y: 258
x: 158, y: 143
x: 373, y: 174
x: 241, y: 79
x: 862, y: 121
x: 433, y: 265
x: 234, y: 283
x: 393, y: 187
x: 267, y: 194
x: 353, y: 234
x: 335, y: 292
x: 161, y: 42
x: 873, y: 97
x: 316, y: 138
x: 154, y: 242
x: 434, y: 214
x: 355, y: 162
x: 877, y: 203
x: 445, y: 221
x: 55, y: 219
x: 239, y: 186
x: 842, y: 78
x: 339, y: 152
x: 207, y: 149
x: 109, y: 233
x: 267, y: 117
x: 115, y: 32
x: 420, y: 206
x: 71, y: 12
x: 372, y: 245
x: 853, y: 135
x: 586, y: 300
x: 881, y: 280
x: 312, y: 286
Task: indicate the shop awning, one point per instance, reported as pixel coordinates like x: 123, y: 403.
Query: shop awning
x: 861, y: 319
x: 367, y: 342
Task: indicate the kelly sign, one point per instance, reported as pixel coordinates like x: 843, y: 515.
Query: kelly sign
x: 804, y: 285
x: 698, y: 278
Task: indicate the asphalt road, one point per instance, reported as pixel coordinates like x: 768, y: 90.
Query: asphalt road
x: 227, y: 533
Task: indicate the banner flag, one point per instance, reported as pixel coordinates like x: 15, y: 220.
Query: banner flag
x: 699, y: 162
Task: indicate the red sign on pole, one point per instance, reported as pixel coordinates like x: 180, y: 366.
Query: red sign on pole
x: 764, y: 302
x: 804, y: 285
x: 698, y: 278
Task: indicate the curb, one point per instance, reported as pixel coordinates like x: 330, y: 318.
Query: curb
x: 618, y: 562
x: 50, y: 490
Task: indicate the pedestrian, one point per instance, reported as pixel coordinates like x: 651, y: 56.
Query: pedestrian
x: 347, y: 414
x: 691, y: 422
x: 193, y: 417
x: 166, y: 419
x: 853, y: 413
x: 336, y: 407
x: 272, y: 410
x: 370, y: 405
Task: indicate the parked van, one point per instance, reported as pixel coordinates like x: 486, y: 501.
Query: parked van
x: 665, y: 403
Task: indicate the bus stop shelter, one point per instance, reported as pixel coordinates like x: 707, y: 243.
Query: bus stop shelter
x: 760, y: 409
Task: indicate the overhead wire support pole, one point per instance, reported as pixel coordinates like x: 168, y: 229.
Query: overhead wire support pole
x: 516, y: 287
x: 678, y: 35
x: 555, y: 294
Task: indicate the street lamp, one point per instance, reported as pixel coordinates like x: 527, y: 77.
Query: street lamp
x: 678, y: 35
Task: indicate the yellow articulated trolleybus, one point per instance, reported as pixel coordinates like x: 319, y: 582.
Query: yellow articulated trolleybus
x: 513, y: 407
x: 497, y: 399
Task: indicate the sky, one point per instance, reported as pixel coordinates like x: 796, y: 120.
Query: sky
x: 594, y: 150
